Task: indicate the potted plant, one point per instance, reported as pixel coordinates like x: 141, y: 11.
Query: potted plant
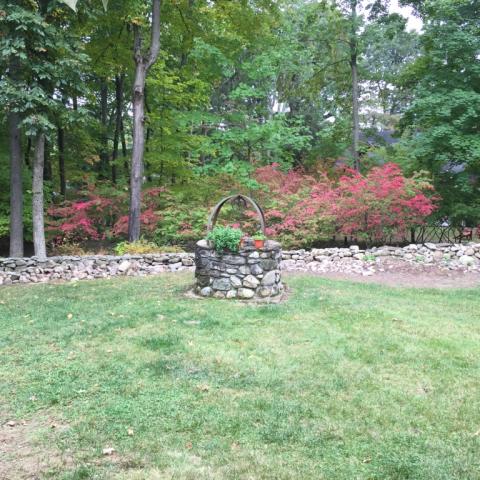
x: 225, y: 238
x: 259, y: 239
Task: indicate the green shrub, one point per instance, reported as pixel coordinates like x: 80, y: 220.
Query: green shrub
x: 142, y: 246
x: 225, y: 238
x: 259, y: 236
x: 70, y: 248
x: 4, y: 226
x: 181, y: 224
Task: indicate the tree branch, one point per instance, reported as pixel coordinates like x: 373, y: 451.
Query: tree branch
x: 155, y: 36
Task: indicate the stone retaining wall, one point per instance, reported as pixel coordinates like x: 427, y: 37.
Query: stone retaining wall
x: 347, y: 260
x: 28, y: 270
x: 249, y: 274
x: 465, y: 257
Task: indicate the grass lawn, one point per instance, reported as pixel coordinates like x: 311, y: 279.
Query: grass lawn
x: 342, y: 381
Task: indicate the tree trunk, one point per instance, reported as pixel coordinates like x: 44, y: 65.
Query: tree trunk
x: 47, y: 164
x: 37, y: 201
x: 356, y: 123
x: 137, y: 153
x: 142, y: 64
x: 61, y: 161
x: 124, y: 142
x: 103, y: 121
x: 355, y: 107
x: 16, y: 190
x: 147, y: 139
x: 118, y: 122
x: 27, y: 152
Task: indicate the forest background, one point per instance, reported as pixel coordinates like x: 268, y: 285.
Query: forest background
x: 339, y: 120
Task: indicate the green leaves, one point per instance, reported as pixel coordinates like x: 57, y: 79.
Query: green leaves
x: 225, y: 239
x: 43, y: 58
x: 73, y: 4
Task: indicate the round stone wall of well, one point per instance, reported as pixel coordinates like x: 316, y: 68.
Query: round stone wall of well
x: 249, y: 274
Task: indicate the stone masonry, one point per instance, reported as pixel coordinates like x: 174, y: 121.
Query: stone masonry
x: 32, y: 270
x: 248, y: 274
x: 352, y: 260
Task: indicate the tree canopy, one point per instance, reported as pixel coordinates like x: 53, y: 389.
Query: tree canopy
x: 235, y: 86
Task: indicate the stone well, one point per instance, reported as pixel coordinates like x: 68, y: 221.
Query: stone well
x: 249, y: 274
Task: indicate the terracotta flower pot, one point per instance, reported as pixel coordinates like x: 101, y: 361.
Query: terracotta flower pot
x: 259, y: 243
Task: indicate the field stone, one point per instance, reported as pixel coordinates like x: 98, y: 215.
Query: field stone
x: 467, y: 260
x: 245, y: 293
x: 187, y: 261
x: 235, y: 281
x: 269, y: 278
x: 256, y: 269
x: 233, y: 259
x: 268, y: 264
x: 206, y: 292
x: 264, y: 291
x: 124, y: 266
x: 250, y: 282
x: 202, y: 280
x: 221, y: 284
x: 244, y: 269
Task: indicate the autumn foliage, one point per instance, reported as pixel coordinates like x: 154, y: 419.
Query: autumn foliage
x: 373, y: 208
x: 300, y: 209
x: 97, y: 217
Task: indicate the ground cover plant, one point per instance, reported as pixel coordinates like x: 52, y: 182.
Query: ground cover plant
x: 128, y: 379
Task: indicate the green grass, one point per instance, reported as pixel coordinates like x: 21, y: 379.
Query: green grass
x: 342, y: 381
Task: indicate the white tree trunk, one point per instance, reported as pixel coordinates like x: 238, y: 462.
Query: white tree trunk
x: 16, y: 190
x: 37, y: 201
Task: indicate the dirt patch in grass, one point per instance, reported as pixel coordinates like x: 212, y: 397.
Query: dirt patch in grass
x: 27, y: 450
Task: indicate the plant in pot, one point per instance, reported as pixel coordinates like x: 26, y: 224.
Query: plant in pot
x: 259, y: 239
x: 225, y: 239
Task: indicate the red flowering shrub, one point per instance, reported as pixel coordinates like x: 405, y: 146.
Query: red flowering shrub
x: 290, y: 214
x: 300, y: 209
x: 372, y: 207
x: 380, y: 204
x: 96, y: 216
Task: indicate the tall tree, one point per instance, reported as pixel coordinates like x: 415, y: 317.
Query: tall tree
x: 388, y: 49
x: 353, y: 45
x: 143, y: 62
x: 14, y: 135
x: 47, y: 61
x: 37, y: 197
x: 441, y: 127
x: 16, y: 190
